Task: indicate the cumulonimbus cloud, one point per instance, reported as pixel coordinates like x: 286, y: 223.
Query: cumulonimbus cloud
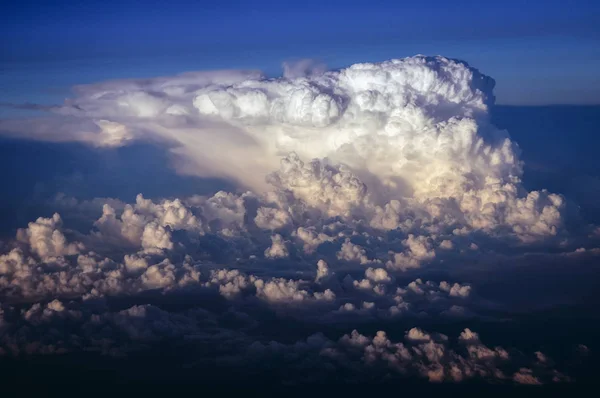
x: 348, y: 179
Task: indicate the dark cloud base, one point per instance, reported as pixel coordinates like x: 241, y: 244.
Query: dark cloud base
x: 162, y: 368
x: 180, y: 364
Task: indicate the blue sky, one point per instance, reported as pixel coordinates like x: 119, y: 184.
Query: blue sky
x: 433, y: 225
x: 538, y: 53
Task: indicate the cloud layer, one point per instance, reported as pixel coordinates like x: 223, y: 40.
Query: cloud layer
x: 349, y: 182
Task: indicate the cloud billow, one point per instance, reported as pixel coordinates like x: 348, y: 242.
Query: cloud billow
x: 348, y: 181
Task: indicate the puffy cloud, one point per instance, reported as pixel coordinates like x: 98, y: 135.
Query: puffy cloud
x: 311, y: 238
x: 399, y: 143
x: 351, y: 252
x: 419, y: 249
x: 333, y: 189
x: 45, y: 238
x: 281, y: 290
x: 456, y: 290
x: 268, y: 218
x: 156, y: 237
x: 427, y: 355
x: 377, y: 275
x: 446, y: 244
x: 430, y: 356
x: 376, y: 279
x: 278, y: 248
x: 172, y: 213
x: 134, y: 263
x: 231, y: 283
x: 525, y: 376
x: 384, y: 168
x: 322, y: 270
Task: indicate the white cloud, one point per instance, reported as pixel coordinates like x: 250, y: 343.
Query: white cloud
x: 311, y: 238
x: 419, y: 250
x: 46, y: 239
x: 268, y: 218
x: 351, y: 252
x: 278, y: 248
x: 383, y: 169
x: 412, y: 135
x: 322, y: 270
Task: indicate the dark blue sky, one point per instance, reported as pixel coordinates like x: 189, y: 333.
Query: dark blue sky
x: 539, y: 53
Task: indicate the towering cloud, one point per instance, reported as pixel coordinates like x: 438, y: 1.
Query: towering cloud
x: 348, y: 181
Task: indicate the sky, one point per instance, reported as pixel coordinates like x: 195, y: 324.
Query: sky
x: 270, y: 195
x: 49, y: 46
